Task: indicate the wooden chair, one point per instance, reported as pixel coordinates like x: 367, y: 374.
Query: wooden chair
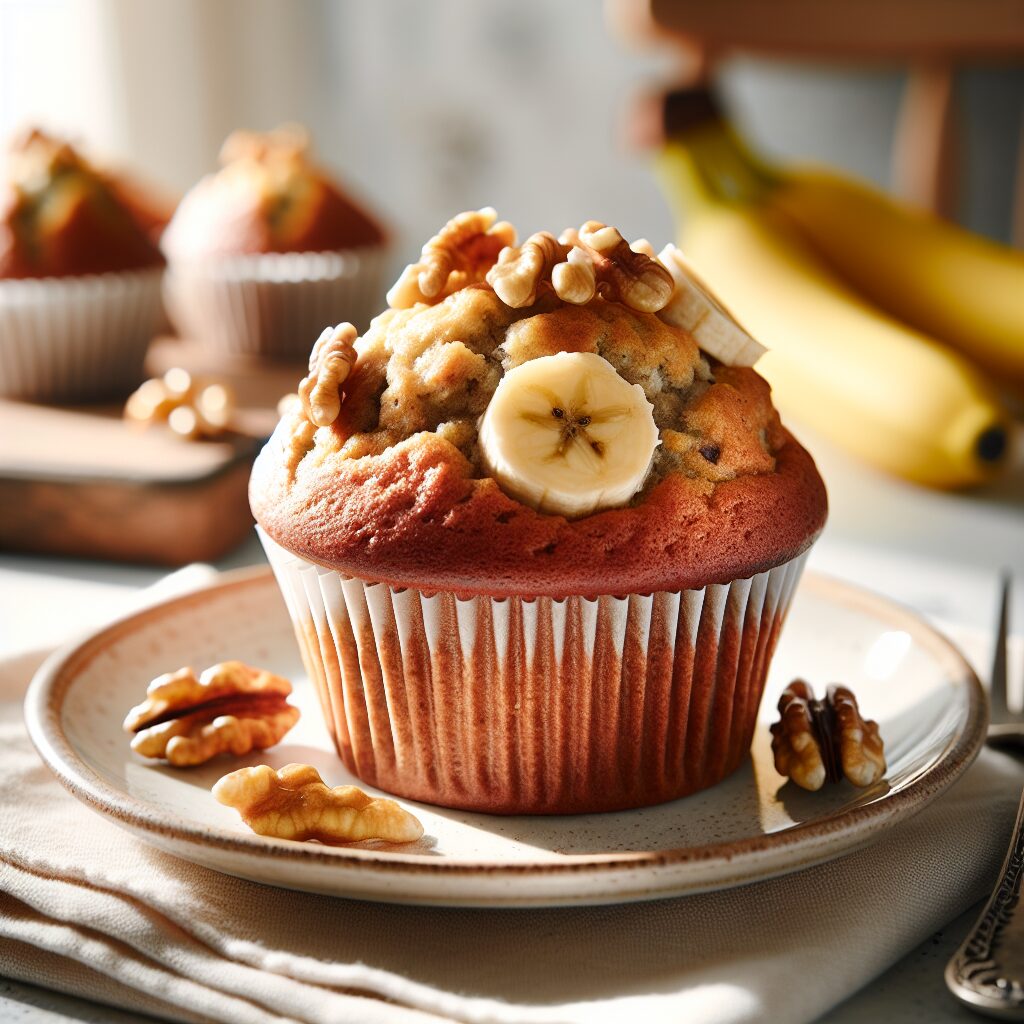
x: 932, y: 38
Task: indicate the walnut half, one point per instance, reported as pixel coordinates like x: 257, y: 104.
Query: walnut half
x: 623, y: 274
x: 520, y: 270
x: 460, y: 254
x: 193, y: 411
x: 231, y: 708
x: 330, y: 363
x: 819, y: 741
x: 295, y: 803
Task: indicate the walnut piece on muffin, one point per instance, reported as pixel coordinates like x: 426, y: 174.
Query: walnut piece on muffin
x: 398, y: 486
x: 61, y: 216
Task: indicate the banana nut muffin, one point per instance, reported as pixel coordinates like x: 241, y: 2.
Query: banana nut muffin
x: 536, y: 541
x: 268, y: 197
x: 80, y: 275
x: 270, y: 248
x: 395, y: 487
x: 61, y: 216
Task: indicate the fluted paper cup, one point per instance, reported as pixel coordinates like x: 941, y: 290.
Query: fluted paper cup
x: 536, y: 706
x: 276, y: 304
x: 76, y: 338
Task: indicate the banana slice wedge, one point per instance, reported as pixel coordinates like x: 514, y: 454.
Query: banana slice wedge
x: 567, y: 435
x: 695, y: 309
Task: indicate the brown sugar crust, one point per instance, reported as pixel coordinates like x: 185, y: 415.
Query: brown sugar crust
x: 60, y: 216
x: 267, y: 198
x: 393, y: 490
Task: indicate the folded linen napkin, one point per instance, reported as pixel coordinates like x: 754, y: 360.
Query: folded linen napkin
x: 87, y: 908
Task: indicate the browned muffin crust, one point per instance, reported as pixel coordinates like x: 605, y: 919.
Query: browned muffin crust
x: 414, y: 516
x: 60, y: 216
x: 267, y: 198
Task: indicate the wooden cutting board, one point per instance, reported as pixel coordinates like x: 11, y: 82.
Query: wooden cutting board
x: 76, y: 480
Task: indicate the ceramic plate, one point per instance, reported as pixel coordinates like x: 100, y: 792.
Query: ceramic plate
x: 752, y: 826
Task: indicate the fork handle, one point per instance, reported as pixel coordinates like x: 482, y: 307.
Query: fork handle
x: 987, y: 971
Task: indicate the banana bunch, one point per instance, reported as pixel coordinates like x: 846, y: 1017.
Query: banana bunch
x: 876, y: 318
x: 943, y: 280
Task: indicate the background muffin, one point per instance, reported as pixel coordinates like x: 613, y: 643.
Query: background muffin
x: 268, y: 249
x: 474, y: 648
x: 80, y: 274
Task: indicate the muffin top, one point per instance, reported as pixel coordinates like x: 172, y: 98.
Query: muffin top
x: 268, y: 197
x: 60, y: 216
x: 532, y: 420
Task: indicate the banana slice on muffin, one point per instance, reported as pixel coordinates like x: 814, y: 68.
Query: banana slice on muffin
x: 567, y: 435
x: 696, y: 310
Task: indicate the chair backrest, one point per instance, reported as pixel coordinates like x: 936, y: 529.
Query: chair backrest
x: 931, y: 38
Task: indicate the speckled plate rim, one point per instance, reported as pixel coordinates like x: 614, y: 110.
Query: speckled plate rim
x: 741, y: 861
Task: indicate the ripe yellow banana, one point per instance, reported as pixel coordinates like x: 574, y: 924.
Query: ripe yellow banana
x: 936, y: 277
x: 880, y: 389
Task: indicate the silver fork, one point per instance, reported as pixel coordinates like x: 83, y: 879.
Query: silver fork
x: 987, y: 971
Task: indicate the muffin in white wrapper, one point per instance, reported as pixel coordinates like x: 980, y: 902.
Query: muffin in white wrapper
x: 271, y: 304
x: 536, y: 544
x: 77, y: 338
x: 536, y: 706
x: 269, y: 249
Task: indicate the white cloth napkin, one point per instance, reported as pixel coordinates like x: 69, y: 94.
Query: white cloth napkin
x: 87, y: 908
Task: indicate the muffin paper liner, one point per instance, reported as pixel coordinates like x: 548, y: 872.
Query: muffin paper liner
x: 274, y: 304
x: 536, y: 706
x: 77, y: 338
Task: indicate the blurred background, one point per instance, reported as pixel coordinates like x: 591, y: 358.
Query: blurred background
x: 427, y: 109
x: 536, y: 108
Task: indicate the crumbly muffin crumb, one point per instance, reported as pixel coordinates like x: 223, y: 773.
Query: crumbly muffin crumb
x: 435, y: 368
x: 431, y: 366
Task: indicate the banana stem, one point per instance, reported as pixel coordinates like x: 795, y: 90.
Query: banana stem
x: 712, y: 165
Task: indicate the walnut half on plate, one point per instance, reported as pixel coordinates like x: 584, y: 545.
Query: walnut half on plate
x: 231, y: 708
x: 819, y: 741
